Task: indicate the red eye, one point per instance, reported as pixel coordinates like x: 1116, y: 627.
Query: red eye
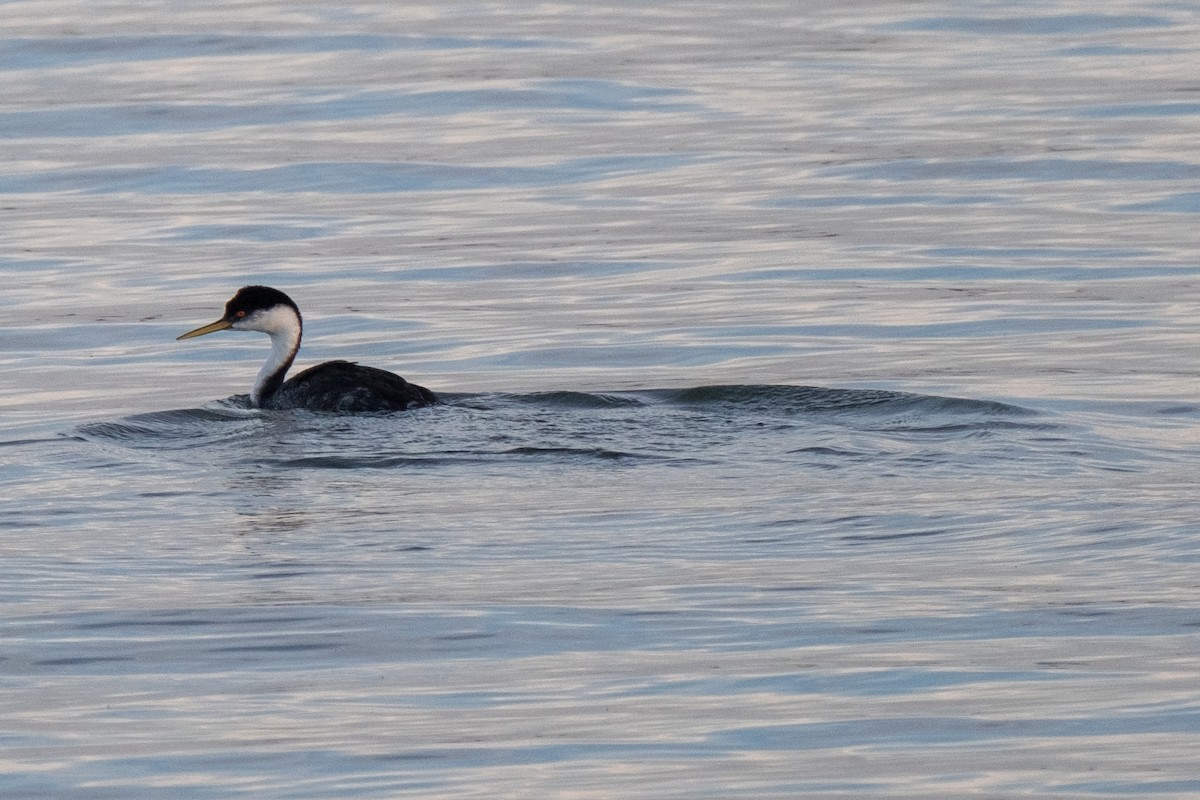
x: 240, y: 314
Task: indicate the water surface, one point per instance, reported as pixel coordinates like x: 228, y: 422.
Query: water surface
x: 819, y: 406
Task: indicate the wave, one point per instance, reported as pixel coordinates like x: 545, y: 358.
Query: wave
x: 177, y: 428
x: 815, y: 399
x: 781, y: 398
x: 861, y: 408
x: 617, y: 427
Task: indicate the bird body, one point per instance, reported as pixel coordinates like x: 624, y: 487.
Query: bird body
x: 348, y: 387
x: 338, y: 386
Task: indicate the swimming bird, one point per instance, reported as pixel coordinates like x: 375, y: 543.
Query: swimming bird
x: 332, y: 386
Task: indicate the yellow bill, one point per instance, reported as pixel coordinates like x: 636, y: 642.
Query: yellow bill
x: 212, y: 327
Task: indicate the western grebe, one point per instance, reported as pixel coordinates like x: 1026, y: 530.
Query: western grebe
x: 332, y: 386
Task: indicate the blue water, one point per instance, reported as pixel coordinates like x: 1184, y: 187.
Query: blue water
x: 819, y: 410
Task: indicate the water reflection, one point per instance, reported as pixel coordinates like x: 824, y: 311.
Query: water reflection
x: 569, y: 581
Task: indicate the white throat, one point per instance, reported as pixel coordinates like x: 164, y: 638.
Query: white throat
x: 283, y: 325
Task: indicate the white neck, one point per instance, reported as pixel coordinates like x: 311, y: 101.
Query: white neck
x: 283, y: 325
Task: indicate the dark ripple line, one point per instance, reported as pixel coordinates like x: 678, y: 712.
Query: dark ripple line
x: 24, y: 442
x: 864, y: 538
x: 393, y: 462
x: 79, y: 661
x: 277, y: 648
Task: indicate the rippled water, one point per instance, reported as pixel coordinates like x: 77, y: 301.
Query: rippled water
x: 819, y: 390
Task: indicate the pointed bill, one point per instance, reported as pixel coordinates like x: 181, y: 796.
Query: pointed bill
x: 211, y: 327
